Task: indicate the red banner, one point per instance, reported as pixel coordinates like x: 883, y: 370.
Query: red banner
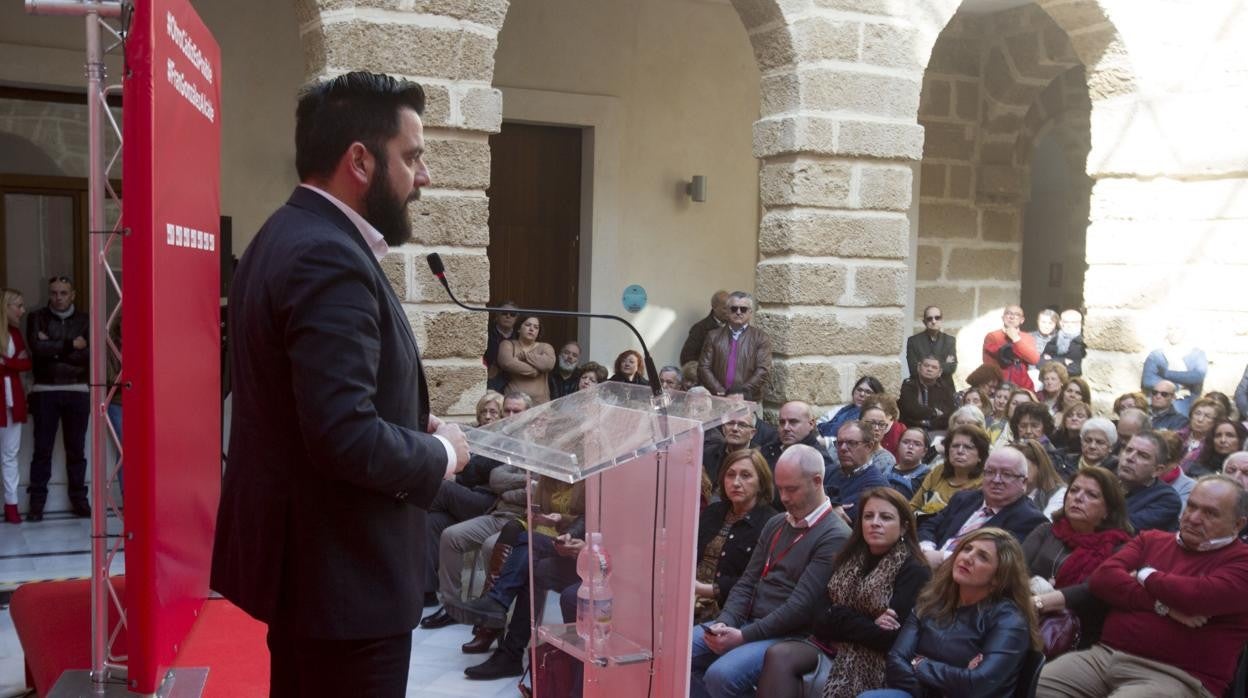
x: 171, y: 315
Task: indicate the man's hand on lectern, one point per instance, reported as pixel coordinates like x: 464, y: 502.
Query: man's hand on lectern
x: 451, y: 432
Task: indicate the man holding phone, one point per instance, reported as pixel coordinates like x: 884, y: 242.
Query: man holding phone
x: 781, y: 587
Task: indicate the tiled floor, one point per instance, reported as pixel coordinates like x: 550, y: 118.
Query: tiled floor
x: 58, y: 547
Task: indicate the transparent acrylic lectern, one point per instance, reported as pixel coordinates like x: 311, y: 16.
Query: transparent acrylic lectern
x: 641, y: 464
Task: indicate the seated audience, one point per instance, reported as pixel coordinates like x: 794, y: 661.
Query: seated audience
x: 997, y: 415
x: 1161, y: 402
x: 877, y: 421
x: 1200, y: 421
x: 782, y: 586
x: 464, y: 528
x: 968, y: 416
x: 1151, y: 503
x: 689, y: 375
x: 1067, y: 430
x: 630, y: 368
x: 856, y: 448
x: 1173, y: 474
x: 972, y: 626
x: 870, y: 595
x: 797, y: 426
x: 886, y: 422
x: 1052, y: 377
x: 1226, y: 437
x: 728, y: 529
x: 973, y: 396
x: 527, y: 362
x: 1097, y: 438
x: 1045, y: 487
x: 589, y: 374
x: 1031, y: 420
x: 1130, y: 422
x: 925, y: 399
x: 1000, y: 502
x: 908, y: 472
x: 966, y: 449
x: 986, y: 378
x: 670, y: 378
x: 733, y: 435
x: 1074, y: 391
x: 1178, y: 616
x: 1091, y: 525
x: 1126, y: 401
x: 863, y: 389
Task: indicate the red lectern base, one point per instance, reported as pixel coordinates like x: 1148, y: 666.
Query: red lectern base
x: 53, y: 622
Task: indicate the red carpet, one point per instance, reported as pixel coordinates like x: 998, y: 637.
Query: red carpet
x: 53, y: 621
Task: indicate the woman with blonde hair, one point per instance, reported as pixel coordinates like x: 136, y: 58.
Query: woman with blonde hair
x: 972, y: 627
x: 14, y: 360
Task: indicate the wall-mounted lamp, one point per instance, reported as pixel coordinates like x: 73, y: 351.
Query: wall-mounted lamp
x: 696, y: 189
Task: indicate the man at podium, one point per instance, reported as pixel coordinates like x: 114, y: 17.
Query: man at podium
x: 781, y: 587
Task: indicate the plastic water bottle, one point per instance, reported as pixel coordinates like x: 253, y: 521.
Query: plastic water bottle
x: 594, y: 597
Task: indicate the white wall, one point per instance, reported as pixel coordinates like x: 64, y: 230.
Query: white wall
x: 676, y: 92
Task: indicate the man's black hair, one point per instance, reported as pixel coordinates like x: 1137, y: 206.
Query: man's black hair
x: 335, y: 113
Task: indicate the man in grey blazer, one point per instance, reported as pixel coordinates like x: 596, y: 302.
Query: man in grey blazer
x: 333, y: 454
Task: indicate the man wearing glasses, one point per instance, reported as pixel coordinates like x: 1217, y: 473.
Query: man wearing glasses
x: 1164, y: 415
x: 503, y: 328
x: 932, y: 342
x: 736, y: 355
x: 1001, y: 501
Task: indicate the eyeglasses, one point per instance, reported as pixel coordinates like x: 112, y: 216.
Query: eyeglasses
x: 1162, y: 393
x: 931, y: 318
x: 507, y: 314
x: 740, y: 308
x: 1002, y: 475
x: 738, y: 425
x: 848, y: 443
x: 875, y: 424
x: 863, y: 390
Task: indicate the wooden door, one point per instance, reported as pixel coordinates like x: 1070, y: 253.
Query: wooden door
x: 535, y: 222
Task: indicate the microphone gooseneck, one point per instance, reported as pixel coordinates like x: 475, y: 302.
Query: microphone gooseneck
x: 439, y: 270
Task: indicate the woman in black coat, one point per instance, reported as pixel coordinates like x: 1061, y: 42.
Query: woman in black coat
x: 729, y: 529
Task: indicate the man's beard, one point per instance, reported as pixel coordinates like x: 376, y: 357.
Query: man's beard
x: 385, y: 211
x: 567, y: 366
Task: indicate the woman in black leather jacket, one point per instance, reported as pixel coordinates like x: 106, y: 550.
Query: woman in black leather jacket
x: 972, y: 626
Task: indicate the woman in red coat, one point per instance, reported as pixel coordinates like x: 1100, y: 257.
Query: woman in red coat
x: 13, y: 360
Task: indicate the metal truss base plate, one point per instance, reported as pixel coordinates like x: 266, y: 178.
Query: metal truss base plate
x: 179, y: 683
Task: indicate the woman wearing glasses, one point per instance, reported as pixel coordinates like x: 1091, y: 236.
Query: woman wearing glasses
x: 966, y: 449
x: 831, y: 422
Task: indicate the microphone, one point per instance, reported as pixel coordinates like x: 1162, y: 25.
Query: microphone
x: 439, y: 270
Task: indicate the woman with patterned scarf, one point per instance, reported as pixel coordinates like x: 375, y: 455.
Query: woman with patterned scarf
x: 877, y: 579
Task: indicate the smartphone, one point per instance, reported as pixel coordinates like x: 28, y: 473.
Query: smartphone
x: 708, y: 629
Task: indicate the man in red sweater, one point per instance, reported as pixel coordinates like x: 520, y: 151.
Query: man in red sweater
x: 1011, y: 349
x: 1178, y: 612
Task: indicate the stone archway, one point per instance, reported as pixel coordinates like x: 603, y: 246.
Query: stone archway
x: 838, y: 138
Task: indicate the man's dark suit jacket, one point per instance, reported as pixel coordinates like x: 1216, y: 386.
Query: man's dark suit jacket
x: 1018, y: 518
x: 692, y: 348
x: 321, y: 526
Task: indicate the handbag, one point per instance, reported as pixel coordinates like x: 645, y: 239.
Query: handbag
x: 1060, y: 632
x: 557, y: 674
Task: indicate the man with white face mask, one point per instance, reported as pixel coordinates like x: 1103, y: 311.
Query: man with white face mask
x: 1178, y: 614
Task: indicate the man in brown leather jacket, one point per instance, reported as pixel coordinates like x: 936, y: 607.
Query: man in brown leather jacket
x: 736, y: 355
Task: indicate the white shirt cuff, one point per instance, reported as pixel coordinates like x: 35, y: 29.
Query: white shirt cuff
x: 1143, y: 574
x: 927, y: 546
x: 450, y: 457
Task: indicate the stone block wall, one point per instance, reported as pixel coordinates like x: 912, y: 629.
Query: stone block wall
x: 981, y: 110
x: 448, y: 47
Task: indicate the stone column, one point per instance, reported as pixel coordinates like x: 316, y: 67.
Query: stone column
x: 837, y: 138
x: 448, y: 47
